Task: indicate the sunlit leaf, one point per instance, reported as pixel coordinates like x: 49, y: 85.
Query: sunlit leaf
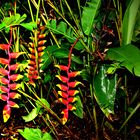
x: 32, y: 115
x: 34, y: 134
x: 29, y: 26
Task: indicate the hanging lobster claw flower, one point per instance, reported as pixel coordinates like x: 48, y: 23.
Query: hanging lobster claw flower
x: 4, y: 72
x: 62, y: 87
x: 4, y: 61
x: 16, y: 54
x: 74, y: 74
x: 62, y: 67
x: 74, y: 84
x: 63, y: 94
x: 4, y: 89
x: 14, y: 95
x: 4, y: 46
x: 14, y: 67
x: 13, y: 104
x: 3, y: 97
x: 4, y: 81
x: 65, y: 116
x: 62, y: 78
x: 6, y: 113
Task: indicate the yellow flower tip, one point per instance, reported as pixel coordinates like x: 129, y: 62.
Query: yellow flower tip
x: 58, y: 76
x: 57, y: 66
x: 64, y: 120
x: 73, y: 108
x: 75, y: 99
x: 6, y: 118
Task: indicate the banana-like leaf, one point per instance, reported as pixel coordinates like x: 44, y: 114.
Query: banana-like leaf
x: 129, y: 57
x: 129, y: 21
x: 105, y: 91
x: 88, y: 15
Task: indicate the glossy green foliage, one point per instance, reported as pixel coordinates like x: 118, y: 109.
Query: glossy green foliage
x: 34, y: 134
x: 88, y: 15
x: 105, y: 91
x: 128, y: 57
x: 129, y: 21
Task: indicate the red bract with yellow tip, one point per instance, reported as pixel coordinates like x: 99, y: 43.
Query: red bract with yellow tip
x: 4, y: 46
x: 36, y: 52
x: 9, y: 80
x: 67, y: 92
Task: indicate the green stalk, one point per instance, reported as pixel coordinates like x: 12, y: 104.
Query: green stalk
x: 37, y: 13
x: 95, y: 122
x: 31, y: 12
x: 71, y: 13
x: 129, y: 117
x: 125, y: 108
x: 79, y: 7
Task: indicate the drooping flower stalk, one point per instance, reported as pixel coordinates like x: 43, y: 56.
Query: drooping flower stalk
x: 8, y: 79
x: 67, y: 91
x: 36, y: 48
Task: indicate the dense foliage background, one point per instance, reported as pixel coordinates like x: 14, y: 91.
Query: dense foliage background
x: 69, y: 69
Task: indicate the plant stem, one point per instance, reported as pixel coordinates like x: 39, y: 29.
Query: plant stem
x: 31, y: 10
x: 95, y: 122
x: 132, y: 113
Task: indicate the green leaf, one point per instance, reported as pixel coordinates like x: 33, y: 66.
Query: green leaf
x: 61, y: 53
x: 136, y: 32
x: 129, y: 21
x: 61, y: 28
x: 44, y: 101
x: 105, y: 91
x: 32, y: 115
x: 2, y: 25
x: 14, y: 20
x: 128, y: 56
x: 79, y: 107
x: 34, y: 134
x: 47, y: 136
x: 88, y: 15
x: 47, y: 56
x: 29, y: 26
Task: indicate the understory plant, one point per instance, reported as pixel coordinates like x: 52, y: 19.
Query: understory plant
x: 70, y: 63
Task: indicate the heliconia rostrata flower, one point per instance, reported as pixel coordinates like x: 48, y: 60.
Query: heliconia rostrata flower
x: 36, y: 52
x: 8, y: 79
x: 67, y: 90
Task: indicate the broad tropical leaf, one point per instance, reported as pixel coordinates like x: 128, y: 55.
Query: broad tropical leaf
x: 129, y: 21
x: 128, y: 56
x: 105, y: 91
x: 88, y: 15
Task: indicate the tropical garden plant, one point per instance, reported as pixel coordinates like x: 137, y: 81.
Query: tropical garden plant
x: 68, y: 69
